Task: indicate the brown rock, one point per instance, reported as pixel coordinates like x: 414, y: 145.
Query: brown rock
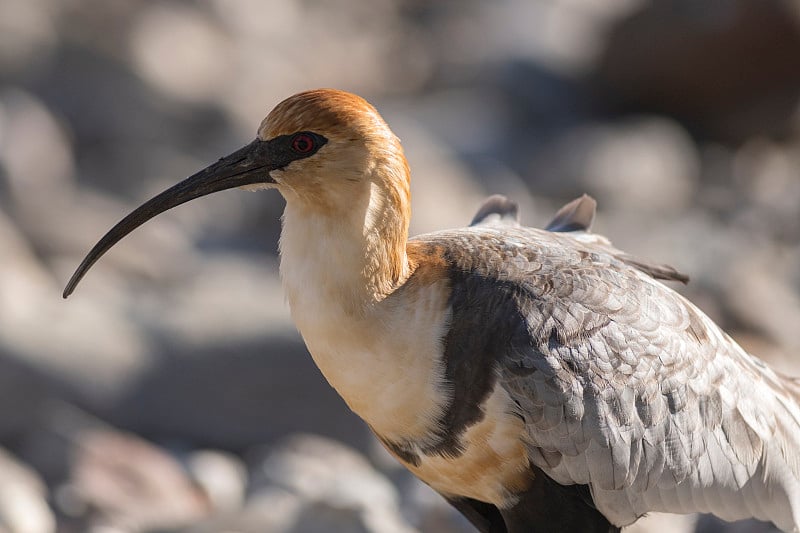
x: 729, y: 68
x: 133, y: 484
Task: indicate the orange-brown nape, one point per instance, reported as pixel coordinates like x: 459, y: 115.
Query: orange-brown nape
x: 356, y: 185
x: 328, y: 110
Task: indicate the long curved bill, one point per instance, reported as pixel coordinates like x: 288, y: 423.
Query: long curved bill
x: 246, y: 166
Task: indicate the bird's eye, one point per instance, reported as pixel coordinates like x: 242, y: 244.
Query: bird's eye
x: 302, y: 143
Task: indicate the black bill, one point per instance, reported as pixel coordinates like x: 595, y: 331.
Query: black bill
x: 246, y: 166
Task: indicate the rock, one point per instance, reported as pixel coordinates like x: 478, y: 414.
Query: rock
x: 766, y: 303
x: 376, y: 48
x: 226, y: 296
x: 34, y: 149
x: 337, y: 488
x: 106, y: 478
x: 23, y: 499
x: 731, y: 70
x: 563, y: 35
x: 39, y: 332
x: 234, y: 393
x: 132, y: 484
x: 272, y: 509
x: 180, y: 51
x: 28, y: 35
x: 766, y: 174
x: 644, y: 164
x: 222, y: 476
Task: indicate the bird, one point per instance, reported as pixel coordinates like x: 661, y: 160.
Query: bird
x: 540, y: 380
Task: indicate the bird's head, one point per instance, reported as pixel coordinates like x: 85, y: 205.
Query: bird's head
x: 336, y: 144
x: 328, y: 152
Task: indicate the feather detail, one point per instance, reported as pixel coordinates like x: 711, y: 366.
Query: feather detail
x: 627, y: 387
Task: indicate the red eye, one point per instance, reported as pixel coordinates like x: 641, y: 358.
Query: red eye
x: 302, y: 143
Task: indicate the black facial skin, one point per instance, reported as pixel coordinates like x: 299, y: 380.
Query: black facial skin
x: 284, y: 149
x: 246, y: 166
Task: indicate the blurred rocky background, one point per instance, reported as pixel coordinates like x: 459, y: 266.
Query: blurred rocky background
x: 171, y: 392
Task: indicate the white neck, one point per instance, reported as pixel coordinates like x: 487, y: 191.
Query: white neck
x: 340, y: 291
x: 352, y: 257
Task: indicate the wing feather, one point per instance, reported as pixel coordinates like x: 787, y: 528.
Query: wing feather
x: 628, y: 388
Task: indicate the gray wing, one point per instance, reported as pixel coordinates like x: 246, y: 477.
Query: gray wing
x: 627, y: 387
x: 576, y: 218
x: 497, y: 210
